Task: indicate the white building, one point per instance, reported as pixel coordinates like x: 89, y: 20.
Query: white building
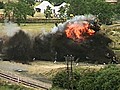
x: 43, y: 6
x: 55, y: 9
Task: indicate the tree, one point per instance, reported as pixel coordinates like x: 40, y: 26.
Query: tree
x: 63, y: 11
x: 103, y: 10
x: 48, y: 12
x: 117, y: 10
x: 18, y: 10
x: 9, y: 7
x: 1, y: 5
x: 57, y: 2
x: 31, y: 2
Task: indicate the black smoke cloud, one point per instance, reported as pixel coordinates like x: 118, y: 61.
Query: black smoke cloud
x: 55, y: 44
x: 94, y: 49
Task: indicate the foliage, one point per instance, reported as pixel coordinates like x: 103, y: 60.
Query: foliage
x: 31, y: 2
x: 48, y: 12
x: 57, y: 2
x: 1, y: 5
x: 19, y: 47
x: 101, y: 9
x: 104, y: 11
x: 107, y: 78
x: 9, y: 7
x: 18, y: 10
x: 86, y: 82
x: 63, y: 11
x: 62, y: 80
x: 7, y: 86
x: 56, y: 88
x: 117, y: 10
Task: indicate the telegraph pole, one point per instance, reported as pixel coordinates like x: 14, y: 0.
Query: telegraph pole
x: 68, y: 74
x: 69, y: 61
x: 71, y: 76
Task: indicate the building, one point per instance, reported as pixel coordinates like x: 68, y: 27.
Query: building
x: 43, y: 6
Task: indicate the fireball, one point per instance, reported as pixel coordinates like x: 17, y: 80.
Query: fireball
x: 79, y: 31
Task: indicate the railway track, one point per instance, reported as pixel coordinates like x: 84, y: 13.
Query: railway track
x: 24, y: 82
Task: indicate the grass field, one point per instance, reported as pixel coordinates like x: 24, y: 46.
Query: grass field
x: 37, y: 28
x: 31, y: 28
x: 10, y: 86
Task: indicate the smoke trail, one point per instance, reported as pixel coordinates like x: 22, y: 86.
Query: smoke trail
x: 11, y: 28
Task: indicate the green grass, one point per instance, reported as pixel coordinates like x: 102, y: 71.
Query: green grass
x: 13, y: 87
x: 10, y: 86
x: 31, y: 28
x: 37, y: 26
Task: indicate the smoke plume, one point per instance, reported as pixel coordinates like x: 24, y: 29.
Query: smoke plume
x: 11, y: 28
x: 77, y: 19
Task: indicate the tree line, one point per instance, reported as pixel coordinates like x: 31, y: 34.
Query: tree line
x: 106, y: 12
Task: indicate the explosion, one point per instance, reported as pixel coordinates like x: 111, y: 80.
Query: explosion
x: 79, y: 31
x: 80, y: 37
x: 79, y: 28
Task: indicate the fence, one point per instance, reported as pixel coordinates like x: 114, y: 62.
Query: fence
x: 37, y: 20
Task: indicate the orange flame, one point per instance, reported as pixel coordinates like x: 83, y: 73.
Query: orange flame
x: 78, y: 32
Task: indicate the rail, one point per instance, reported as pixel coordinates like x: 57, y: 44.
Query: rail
x: 18, y: 80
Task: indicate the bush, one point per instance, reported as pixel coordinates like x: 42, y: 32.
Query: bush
x: 86, y: 82
x: 61, y: 80
x: 107, y: 78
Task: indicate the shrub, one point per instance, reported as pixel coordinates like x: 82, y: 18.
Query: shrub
x: 61, y: 80
x: 107, y: 78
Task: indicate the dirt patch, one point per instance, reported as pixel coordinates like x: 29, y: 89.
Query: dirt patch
x: 43, y: 67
